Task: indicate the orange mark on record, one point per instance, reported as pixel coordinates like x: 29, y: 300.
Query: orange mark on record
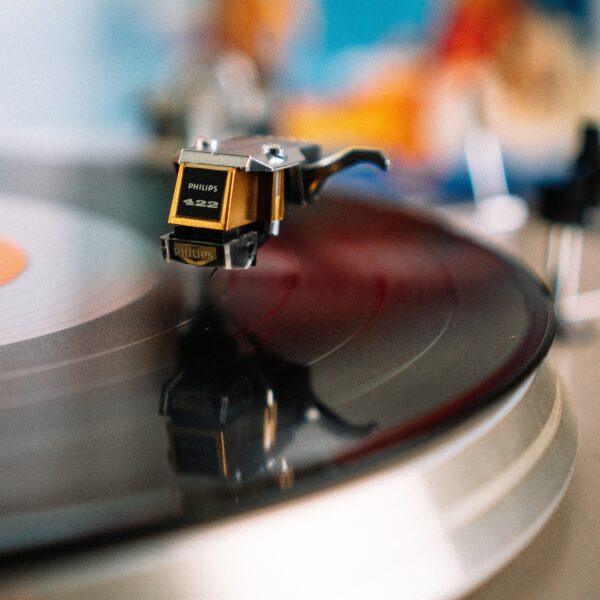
x: 12, y: 261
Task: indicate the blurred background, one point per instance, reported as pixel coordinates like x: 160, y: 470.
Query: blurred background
x: 114, y: 80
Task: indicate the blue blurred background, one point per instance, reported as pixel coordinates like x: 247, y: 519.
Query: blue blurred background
x: 74, y: 74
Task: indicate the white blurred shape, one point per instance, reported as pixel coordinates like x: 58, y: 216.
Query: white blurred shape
x: 496, y: 210
x: 502, y: 214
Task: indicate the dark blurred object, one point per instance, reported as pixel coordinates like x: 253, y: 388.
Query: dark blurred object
x: 570, y: 202
x: 233, y: 410
x: 567, y: 206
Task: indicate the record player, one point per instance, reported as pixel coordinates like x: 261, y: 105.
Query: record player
x: 370, y: 410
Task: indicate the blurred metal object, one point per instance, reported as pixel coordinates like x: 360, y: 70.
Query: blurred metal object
x: 564, y: 255
x: 203, y: 144
x: 228, y: 99
x: 225, y: 73
x: 497, y: 210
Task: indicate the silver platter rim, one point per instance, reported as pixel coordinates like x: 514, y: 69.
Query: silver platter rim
x: 434, y: 524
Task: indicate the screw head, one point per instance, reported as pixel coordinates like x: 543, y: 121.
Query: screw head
x: 204, y: 144
x: 274, y: 151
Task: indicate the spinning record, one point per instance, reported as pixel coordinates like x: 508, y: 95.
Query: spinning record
x: 363, y: 333
x: 403, y: 324
x: 64, y: 268
x: 88, y: 325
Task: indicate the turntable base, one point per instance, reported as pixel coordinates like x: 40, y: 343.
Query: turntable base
x: 432, y: 525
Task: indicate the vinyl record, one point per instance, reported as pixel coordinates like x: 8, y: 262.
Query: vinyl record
x: 402, y: 322
x: 89, y: 317
x: 363, y: 334
x: 70, y: 268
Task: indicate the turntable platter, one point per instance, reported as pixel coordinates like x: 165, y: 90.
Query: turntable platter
x: 366, y: 338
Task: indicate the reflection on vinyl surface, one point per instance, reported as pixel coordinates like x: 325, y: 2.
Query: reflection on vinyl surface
x: 362, y: 333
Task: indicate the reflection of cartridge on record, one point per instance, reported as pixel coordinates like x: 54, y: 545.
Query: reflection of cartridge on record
x: 233, y: 414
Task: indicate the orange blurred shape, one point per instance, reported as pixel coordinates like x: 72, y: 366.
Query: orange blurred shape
x: 477, y: 27
x: 390, y: 108
x: 12, y: 261
x: 387, y: 111
x: 257, y: 28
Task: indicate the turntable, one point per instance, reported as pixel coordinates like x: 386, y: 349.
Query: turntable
x: 368, y: 411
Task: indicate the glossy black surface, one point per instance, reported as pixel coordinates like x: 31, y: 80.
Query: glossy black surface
x: 362, y: 332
